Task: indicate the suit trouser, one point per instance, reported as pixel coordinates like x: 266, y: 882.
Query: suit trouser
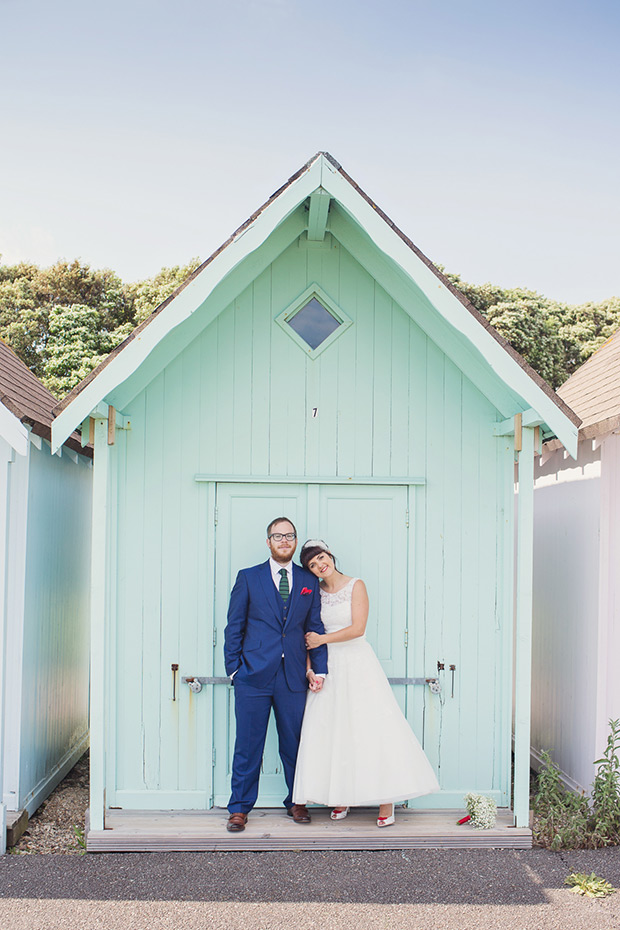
x: 252, y: 709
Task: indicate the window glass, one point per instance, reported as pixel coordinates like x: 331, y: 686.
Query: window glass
x: 313, y: 323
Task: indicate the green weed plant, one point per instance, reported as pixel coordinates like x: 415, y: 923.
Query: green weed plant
x: 80, y: 838
x: 591, y: 886
x: 565, y: 820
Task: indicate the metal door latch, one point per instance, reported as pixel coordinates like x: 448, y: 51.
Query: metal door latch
x: 197, y: 681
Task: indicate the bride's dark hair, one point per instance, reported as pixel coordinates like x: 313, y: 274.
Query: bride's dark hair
x: 310, y: 552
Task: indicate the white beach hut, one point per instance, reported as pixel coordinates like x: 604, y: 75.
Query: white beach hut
x: 576, y: 613
x: 45, y: 504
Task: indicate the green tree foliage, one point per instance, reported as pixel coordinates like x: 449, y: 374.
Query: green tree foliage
x: 76, y: 342
x: 148, y: 295
x: 586, y: 327
x: 33, y: 301
x: 554, y: 338
x: 64, y: 319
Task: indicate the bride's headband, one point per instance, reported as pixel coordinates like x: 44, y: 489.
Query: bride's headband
x: 315, y: 544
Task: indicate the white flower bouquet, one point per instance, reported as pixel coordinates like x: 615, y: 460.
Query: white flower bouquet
x: 482, y: 811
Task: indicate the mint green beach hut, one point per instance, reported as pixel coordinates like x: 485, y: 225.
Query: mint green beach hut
x: 317, y: 365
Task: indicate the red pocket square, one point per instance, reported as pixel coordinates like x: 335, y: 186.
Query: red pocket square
x: 306, y: 590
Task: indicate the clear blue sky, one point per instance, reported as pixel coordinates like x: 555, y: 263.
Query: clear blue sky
x: 140, y: 133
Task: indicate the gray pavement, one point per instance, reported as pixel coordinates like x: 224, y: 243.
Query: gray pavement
x: 408, y: 890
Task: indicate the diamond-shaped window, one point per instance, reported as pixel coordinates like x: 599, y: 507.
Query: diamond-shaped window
x: 313, y: 321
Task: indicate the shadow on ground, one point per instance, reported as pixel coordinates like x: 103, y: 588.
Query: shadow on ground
x: 497, y: 877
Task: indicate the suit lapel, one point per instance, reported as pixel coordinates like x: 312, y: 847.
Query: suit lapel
x: 270, y: 590
x: 296, y: 592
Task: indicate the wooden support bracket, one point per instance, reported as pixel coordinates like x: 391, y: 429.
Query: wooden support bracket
x: 317, y: 219
x: 507, y: 427
x: 518, y: 432
x: 114, y: 419
x: 111, y: 425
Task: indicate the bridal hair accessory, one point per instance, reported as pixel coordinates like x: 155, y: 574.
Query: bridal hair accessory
x: 315, y: 543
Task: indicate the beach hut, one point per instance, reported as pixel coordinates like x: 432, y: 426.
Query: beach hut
x: 576, y: 644
x: 316, y: 365
x: 45, y: 505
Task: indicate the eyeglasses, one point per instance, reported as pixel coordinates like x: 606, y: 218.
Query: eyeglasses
x: 278, y: 537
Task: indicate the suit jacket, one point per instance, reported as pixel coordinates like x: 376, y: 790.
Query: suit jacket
x: 257, y: 636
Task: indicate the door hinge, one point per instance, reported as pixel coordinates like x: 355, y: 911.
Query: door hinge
x: 406, y: 518
x: 213, y: 755
x: 215, y: 637
x: 215, y: 517
x: 406, y: 638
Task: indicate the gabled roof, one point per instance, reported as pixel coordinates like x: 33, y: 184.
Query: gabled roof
x: 28, y: 400
x: 593, y: 391
x: 389, y: 256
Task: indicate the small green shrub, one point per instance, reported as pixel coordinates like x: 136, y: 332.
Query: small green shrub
x: 561, y: 818
x: 565, y: 820
x: 606, y: 791
x: 592, y: 886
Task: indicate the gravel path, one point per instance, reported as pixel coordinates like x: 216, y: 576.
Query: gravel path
x: 382, y: 890
x: 58, y: 825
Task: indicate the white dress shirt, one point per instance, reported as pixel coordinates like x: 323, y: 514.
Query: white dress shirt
x: 275, y: 573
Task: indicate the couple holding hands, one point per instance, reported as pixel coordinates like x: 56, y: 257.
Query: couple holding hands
x: 295, y: 641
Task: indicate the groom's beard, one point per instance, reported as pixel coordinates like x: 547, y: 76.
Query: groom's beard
x: 284, y: 554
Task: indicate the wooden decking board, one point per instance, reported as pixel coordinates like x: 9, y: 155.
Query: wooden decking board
x: 179, y: 831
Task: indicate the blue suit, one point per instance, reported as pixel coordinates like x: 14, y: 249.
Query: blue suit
x: 264, y: 644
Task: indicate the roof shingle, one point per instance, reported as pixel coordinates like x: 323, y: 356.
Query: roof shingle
x: 22, y: 393
x: 593, y: 391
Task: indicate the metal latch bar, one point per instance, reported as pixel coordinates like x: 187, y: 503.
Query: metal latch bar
x: 413, y: 681
x: 206, y: 681
x: 225, y: 681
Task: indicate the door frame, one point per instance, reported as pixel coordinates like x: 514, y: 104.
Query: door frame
x: 415, y: 707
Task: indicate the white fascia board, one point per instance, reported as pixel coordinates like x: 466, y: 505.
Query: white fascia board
x: 453, y: 311
x: 13, y: 431
x: 184, y: 304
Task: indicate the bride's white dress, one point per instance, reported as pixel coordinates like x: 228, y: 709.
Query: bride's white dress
x: 356, y: 746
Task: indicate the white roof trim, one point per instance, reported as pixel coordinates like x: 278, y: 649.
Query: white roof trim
x: 13, y: 431
x: 184, y: 304
x: 320, y: 173
x: 451, y: 308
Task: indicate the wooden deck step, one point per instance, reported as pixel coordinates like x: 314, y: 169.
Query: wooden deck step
x: 269, y: 829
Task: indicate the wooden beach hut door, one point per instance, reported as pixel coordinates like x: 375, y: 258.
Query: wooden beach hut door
x: 366, y: 526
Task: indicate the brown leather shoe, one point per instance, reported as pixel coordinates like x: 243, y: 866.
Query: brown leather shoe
x: 236, y: 822
x: 299, y: 813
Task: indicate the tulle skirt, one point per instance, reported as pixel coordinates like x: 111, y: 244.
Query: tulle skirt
x: 356, y: 746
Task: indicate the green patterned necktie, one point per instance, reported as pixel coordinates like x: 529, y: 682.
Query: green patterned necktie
x: 283, y: 587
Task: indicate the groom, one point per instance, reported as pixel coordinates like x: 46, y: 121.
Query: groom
x: 272, y: 607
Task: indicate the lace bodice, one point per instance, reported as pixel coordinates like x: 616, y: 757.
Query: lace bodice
x: 336, y: 607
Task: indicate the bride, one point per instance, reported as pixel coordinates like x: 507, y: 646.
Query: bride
x: 356, y: 747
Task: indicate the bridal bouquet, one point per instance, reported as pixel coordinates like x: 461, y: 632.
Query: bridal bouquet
x: 482, y: 811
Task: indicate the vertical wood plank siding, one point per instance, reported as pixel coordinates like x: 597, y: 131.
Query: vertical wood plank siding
x: 238, y: 401
x: 568, y: 536
x: 54, y: 684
